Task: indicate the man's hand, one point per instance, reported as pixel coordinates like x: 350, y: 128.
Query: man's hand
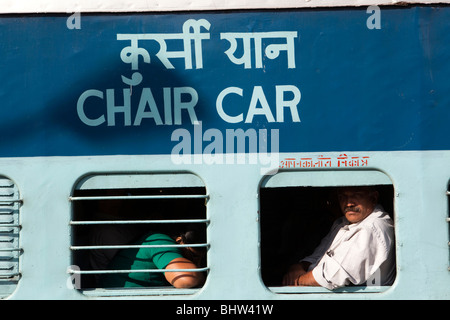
x: 299, y: 276
x: 295, y: 271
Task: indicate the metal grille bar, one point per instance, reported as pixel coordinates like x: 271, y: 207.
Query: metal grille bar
x: 194, y: 196
x: 198, y: 245
x: 9, y: 276
x: 97, y: 222
x: 73, y: 271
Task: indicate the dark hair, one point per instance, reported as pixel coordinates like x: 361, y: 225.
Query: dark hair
x: 193, y: 233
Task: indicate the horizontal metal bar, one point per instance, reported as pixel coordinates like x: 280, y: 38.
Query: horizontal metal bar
x: 197, y: 245
x: 72, y: 271
x: 6, y: 184
x: 97, y: 222
x: 7, y: 276
x: 10, y: 226
x: 10, y: 200
x: 6, y: 269
x: 448, y: 193
x: 183, y: 196
x: 447, y: 219
x: 10, y: 249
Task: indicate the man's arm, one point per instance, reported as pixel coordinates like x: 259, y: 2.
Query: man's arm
x: 299, y: 276
x: 307, y: 279
x: 183, y: 279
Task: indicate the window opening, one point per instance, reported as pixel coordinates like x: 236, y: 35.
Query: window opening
x: 10, y: 251
x: 294, y: 220
x: 111, y: 221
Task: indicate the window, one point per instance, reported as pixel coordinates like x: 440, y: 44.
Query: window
x: 110, y: 212
x: 10, y: 250
x: 297, y: 209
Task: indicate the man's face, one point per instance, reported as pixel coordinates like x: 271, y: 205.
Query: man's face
x: 357, y: 202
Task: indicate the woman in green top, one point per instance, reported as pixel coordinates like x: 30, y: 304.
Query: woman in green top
x: 157, y: 258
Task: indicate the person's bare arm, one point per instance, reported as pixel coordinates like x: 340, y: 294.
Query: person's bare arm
x: 299, y: 276
x: 307, y: 279
x: 183, y: 279
x: 294, y: 272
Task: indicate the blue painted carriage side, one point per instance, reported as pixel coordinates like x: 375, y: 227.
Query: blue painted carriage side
x: 361, y: 89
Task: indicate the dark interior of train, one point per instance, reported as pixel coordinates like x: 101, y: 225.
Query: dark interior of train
x: 293, y: 222
x: 130, y: 209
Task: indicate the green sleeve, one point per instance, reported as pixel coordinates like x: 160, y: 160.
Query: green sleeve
x: 161, y: 257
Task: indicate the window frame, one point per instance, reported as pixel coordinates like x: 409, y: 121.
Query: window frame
x: 326, y: 178
x: 121, y: 180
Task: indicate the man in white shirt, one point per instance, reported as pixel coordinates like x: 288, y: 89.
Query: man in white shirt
x: 358, y: 250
